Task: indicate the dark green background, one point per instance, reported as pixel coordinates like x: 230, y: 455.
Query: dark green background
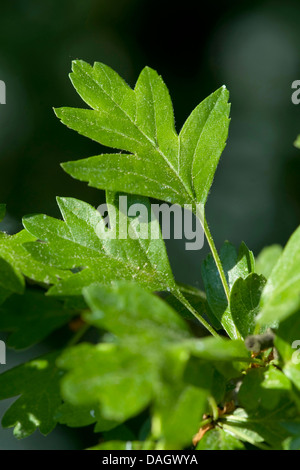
x: 251, y: 46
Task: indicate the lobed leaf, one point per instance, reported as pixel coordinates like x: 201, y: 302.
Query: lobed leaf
x: 16, y: 262
x: 161, y: 164
x: 37, y: 383
x: 99, y: 254
x: 147, y: 358
x: 110, y: 375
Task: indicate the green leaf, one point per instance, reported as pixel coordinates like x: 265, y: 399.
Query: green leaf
x: 244, y: 302
x: 37, y: 382
x: 292, y: 443
x: 256, y: 427
x: 178, y: 414
x: 146, y: 363
x: 146, y: 324
x: 31, y: 318
x: 110, y: 375
x: 287, y: 343
x: 2, y: 211
x: 81, y: 416
x: 161, y: 164
x: 235, y: 266
x: 280, y: 297
x: 264, y: 388
x: 267, y: 259
x: 76, y: 416
x: 218, y: 439
x: 127, y: 310
x: 187, y: 396
x: 23, y: 264
x: 10, y: 281
x: 217, y: 349
x: 102, y: 88
x: 99, y: 254
x: 297, y: 142
x: 202, y: 141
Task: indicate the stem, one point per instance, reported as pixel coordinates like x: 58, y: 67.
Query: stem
x: 179, y: 296
x: 78, y: 335
x: 214, y: 252
x: 214, y: 408
x: 259, y: 362
x: 186, y: 289
x: 205, y: 422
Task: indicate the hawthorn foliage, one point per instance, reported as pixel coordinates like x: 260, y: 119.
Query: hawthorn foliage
x: 194, y: 366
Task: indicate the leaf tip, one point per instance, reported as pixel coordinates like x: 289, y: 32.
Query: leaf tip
x: 66, y: 166
x: 58, y: 112
x: 78, y: 63
x: 297, y: 142
x: 60, y: 200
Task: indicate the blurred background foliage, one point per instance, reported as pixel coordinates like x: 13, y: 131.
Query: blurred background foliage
x: 252, y: 46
